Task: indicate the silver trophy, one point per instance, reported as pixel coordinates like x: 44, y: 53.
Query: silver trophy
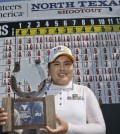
x: 27, y: 110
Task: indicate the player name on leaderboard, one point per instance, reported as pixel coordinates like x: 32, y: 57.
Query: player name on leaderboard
x: 95, y: 43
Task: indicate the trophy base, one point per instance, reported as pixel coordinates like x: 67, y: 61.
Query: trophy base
x: 31, y: 113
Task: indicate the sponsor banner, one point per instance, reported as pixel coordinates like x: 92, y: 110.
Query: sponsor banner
x: 45, y: 9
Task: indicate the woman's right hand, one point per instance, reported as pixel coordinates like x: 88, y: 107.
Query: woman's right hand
x: 3, y: 116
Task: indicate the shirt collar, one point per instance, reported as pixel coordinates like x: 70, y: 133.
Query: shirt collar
x: 58, y: 87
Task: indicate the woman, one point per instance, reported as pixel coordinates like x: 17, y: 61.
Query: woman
x: 77, y: 109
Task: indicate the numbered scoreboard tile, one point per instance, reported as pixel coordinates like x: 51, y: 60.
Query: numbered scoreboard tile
x: 77, y: 71
x: 100, y: 92
x: 113, y: 43
x: 85, y: 37
x: 10, y: 95
x: 110, y: 92
x: 8, y: 89
x: 75, y: 37
x: 95, y: 43
x: 90, y: 85
x: 57, y: 43
x: 108, y: 77
x: 8, y: 54
x: 109, y: 85
x: 88, y: 78
x: 6, y: 81
x: 106, y: 63
x: 86, y: 57
x: 28, y: 39
x: 29, y: 54
x: 43, y: 59
x: 87, y: 64
x: 77, y: 78
x: 87, y: 51
x: 76, y: 44
x: 66, y: 38
x: 94, y: 36
x: 20, y: 40
x: 114, y: 50
x: 48, y: 45
x: 107, y: 70
x: 96, y: 57
x: 38, y: 53
x: 106, y: 56
x: 8, y: 48
x: 104, y: 43
x: 5, y: 74
x: 101, y: 99
x: 95, y: 50
x: 97, y: 70
x: 103, y: 36
x: 98, y: 78
x: 116, y: 70
x: 77, y: 64
x: 9, y: 67
x: 87, y: 71
x: 85, y: 44
x: 99, y: 85
x: 39, y: 46
x: 29, y: 46
x: 57, y: 38
x: 77, y: 57
x: 8, y: 61
x: 96, y: 63
x: 117, y: 85
x: 76, y: 50
x: 115, y: 63
x: 38, y: 39
x: 115, y: 56
x: 67, y: 44
x: 112, y: 36
x: 9, y: 41
x: 105, y: 50
x: 45, y: 52
x: 117, y: 93
x: 110, y: 99
x: 19, y: 47
x: 19, y: 54
x: 48, y: 38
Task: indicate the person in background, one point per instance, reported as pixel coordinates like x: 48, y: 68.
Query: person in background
x: 77, y: 109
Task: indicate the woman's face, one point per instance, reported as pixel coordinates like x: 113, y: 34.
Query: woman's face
x: 61, y: 70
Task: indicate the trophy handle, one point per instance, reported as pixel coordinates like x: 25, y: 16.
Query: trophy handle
x: 13, y: 83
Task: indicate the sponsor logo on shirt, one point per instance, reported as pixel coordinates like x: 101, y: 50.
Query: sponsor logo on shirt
x: 75, y: 97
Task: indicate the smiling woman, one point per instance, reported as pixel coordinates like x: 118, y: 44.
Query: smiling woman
x: 77, y: 109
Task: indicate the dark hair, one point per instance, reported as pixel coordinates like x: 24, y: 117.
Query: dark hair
x: 49, y: 65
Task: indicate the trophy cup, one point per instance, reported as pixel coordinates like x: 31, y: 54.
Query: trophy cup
x: 28, y: 111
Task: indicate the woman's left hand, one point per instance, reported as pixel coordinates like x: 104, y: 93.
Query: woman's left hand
x: 60, y: 129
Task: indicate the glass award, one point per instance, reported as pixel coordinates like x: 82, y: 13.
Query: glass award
x: 27, y: 110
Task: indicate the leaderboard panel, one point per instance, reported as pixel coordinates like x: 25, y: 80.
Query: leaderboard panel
x: 95, y: 44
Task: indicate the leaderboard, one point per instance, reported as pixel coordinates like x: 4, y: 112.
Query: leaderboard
x: 95, y: 44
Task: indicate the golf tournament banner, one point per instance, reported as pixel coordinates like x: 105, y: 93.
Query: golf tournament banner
x: 91, y: 29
